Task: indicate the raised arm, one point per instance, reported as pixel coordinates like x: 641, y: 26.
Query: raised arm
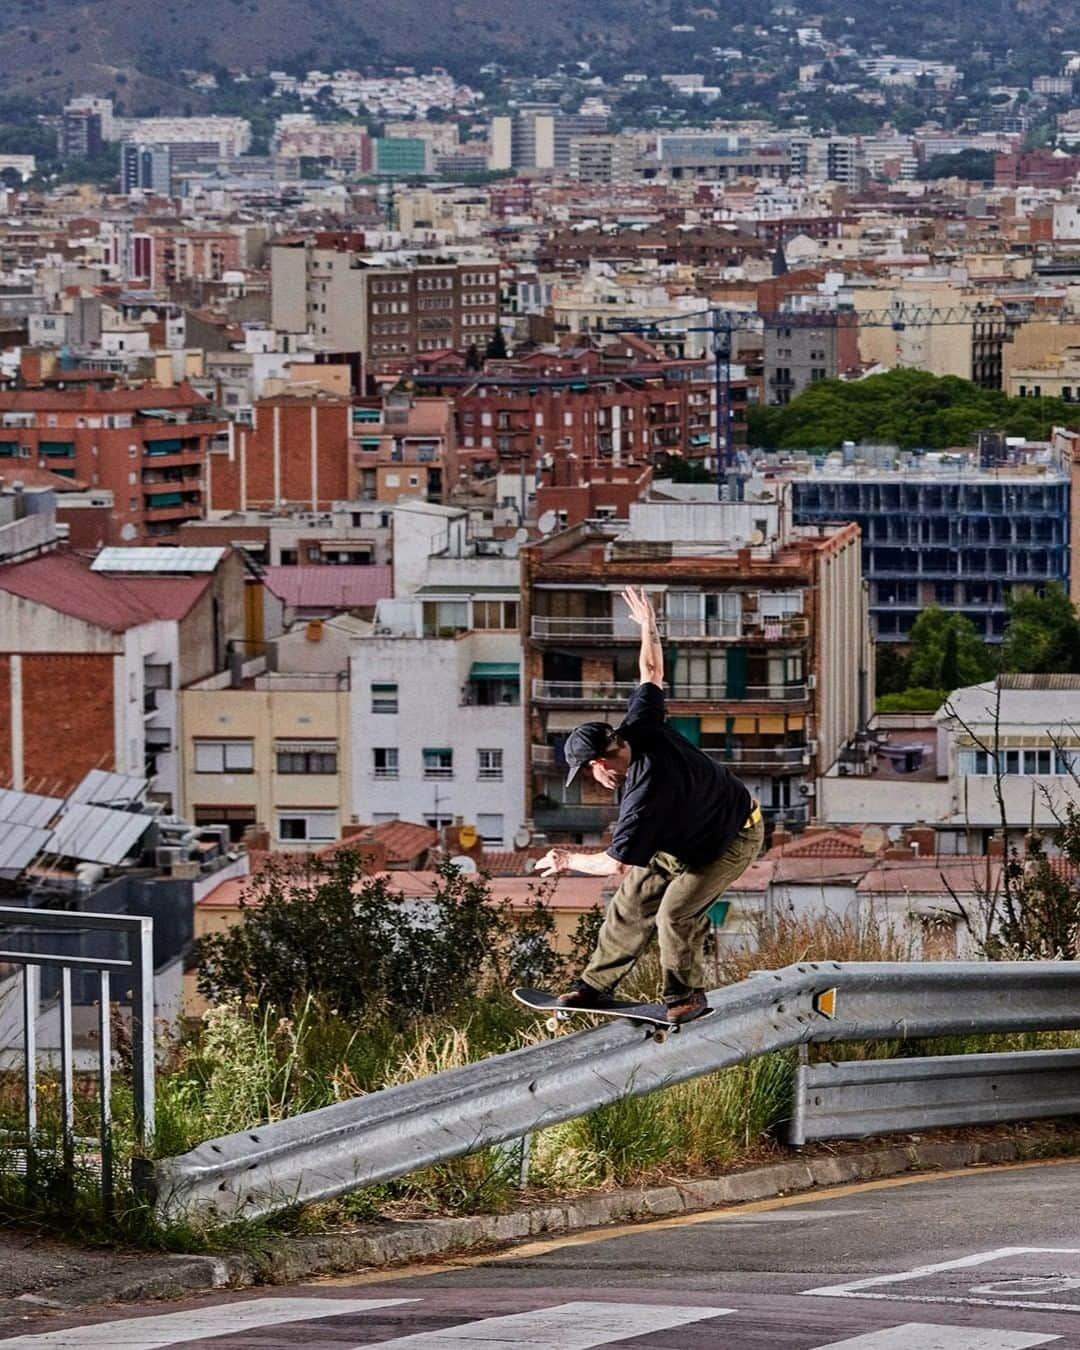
x: 651, y: 664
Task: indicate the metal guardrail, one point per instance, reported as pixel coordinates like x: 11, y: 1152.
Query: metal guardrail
x: 390, y: 1133
x: 856, y: 1098
x: 137, y: 972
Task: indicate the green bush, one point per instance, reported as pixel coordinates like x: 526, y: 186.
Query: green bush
x: 913, y: 700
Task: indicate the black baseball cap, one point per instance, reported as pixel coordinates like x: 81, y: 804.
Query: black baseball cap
x: 586, y: 742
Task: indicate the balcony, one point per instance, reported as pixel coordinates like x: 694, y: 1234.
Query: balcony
x: 559, y: 818
x: 543, y: 758
x: 585, y: 630
x: 791, y: 817
x: 750, y: 628
x: 583, y: 693
x: 751, y: 693
x: 762, y: 759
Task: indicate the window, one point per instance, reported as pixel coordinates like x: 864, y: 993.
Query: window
x: 307, y: 827
x: 489, y: 764
x: 438, y: 763
x: 490, y: 830
x: 438, y: 822
x: 306, y: 756
x: 495, y: 613
x: 224, y: 756
x: 384, y: 698
x: 384, y: 760
x: 444, y: 618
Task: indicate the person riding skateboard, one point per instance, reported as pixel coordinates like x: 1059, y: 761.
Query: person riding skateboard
x: 687, y: 829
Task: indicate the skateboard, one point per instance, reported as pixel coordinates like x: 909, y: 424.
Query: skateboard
x: 653, y: 1016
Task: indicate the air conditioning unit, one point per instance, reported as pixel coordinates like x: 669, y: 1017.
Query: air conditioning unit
x: 811, y: 681
x: 217, y: 833
x: 811, y: 747
x: 168, y: 857
x: 807, y: 789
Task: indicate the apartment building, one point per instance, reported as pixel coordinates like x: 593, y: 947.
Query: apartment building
x: 146, y: 445
x: 295, y: 452
x: 801, y: 349
x: 356, y: 302
x: 765, y: 635
x: 269, y: 748
x: 940, y: 530
x: 618, y: 403
x: 403, y: 447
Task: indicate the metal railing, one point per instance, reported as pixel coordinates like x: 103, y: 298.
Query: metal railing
x: 398, y: 1130
x: 605, y: 693
x: 136, y: 969
x: 608, y: 628
x: 753, y: 757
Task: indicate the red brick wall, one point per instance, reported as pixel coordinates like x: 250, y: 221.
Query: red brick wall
x: 67, y: 715
x: 5, y: 721
x: 257, y: 445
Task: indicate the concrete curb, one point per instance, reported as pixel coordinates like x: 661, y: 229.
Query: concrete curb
x: 390, y: 1242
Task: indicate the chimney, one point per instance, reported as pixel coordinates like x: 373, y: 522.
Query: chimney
x: 996, y: 847
x: 780, y: 837
x: 922, y: 839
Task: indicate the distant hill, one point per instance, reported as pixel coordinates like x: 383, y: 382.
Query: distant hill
x: 134, y: 48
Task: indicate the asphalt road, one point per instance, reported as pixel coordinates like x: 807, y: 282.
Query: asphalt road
x: 986, y: 1260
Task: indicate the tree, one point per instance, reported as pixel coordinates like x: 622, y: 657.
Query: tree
x: 892, y: 669
x: 947, y: 645
x: 322, y: 928
x: 1043, y: 633
x: 496, y: 347
x: 976, y: 165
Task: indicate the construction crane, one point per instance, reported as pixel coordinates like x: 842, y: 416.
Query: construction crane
x: 722, y: 324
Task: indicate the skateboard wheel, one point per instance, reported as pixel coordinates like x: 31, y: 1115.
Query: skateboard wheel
x: 660, y: 1037
x: 552, y: 1023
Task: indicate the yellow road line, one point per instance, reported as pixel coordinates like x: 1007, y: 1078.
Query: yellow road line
x: 524, y: 1250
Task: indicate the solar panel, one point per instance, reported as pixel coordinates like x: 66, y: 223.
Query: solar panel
x: 27, y: 808
x: 97, y: 834
x: 99, y: 787
x: 187, y: 559
x: 19, y: 846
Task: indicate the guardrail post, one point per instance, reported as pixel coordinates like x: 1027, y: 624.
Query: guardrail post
x: 31, y: 989
x: 141, y: 955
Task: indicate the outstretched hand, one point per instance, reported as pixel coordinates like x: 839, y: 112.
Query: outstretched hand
x: 639, y: 605
x: 554, y: 861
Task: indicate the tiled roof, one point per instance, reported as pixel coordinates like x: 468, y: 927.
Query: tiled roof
x: 402, y: 839
x: 122, y: 400
x: 330, y: 587
x: 65, y: 583
x: 839, y: 843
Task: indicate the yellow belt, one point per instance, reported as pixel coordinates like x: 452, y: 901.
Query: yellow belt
x: 753, y: 817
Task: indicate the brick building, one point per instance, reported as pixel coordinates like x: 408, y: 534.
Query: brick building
x: 353, y: 302
x: 766, y: 643
x: 404, y: 447
x: 296, y: 452
x: 148, y: 446
x: 624, y: 403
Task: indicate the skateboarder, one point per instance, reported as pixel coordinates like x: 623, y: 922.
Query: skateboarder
x: 687, y: 828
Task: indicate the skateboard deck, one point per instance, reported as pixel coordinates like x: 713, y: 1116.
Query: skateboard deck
x: 651, y: 1015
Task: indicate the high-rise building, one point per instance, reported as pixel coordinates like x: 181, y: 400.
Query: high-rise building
x: 145, y: 168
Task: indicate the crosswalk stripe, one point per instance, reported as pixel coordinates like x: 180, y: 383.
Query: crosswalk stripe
x: 568, y: 1326
x: 930, y: 1336
x: 196, y: 1324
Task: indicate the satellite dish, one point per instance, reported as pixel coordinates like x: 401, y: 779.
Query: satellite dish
x: 894, y: 833
x: 463, y: 863
x: 757, y: 538
x: 522, y: 535
x: 871, y: 839
x: 547, y: 522
x: 511, y: 548
x: 523, y: 838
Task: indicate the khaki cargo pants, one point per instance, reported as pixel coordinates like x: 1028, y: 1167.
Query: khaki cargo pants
x: 671, y: 901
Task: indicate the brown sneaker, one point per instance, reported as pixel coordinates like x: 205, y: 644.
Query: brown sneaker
x: 692, y: 1005
x: 582, y: 995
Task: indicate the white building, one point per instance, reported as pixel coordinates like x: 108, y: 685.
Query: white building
x: 942, y: 771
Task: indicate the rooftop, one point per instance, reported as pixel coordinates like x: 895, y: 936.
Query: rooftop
x: 65, y: 583
x: 330, y: 587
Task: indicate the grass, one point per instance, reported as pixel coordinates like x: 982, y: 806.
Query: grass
x: 240, y: 1067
